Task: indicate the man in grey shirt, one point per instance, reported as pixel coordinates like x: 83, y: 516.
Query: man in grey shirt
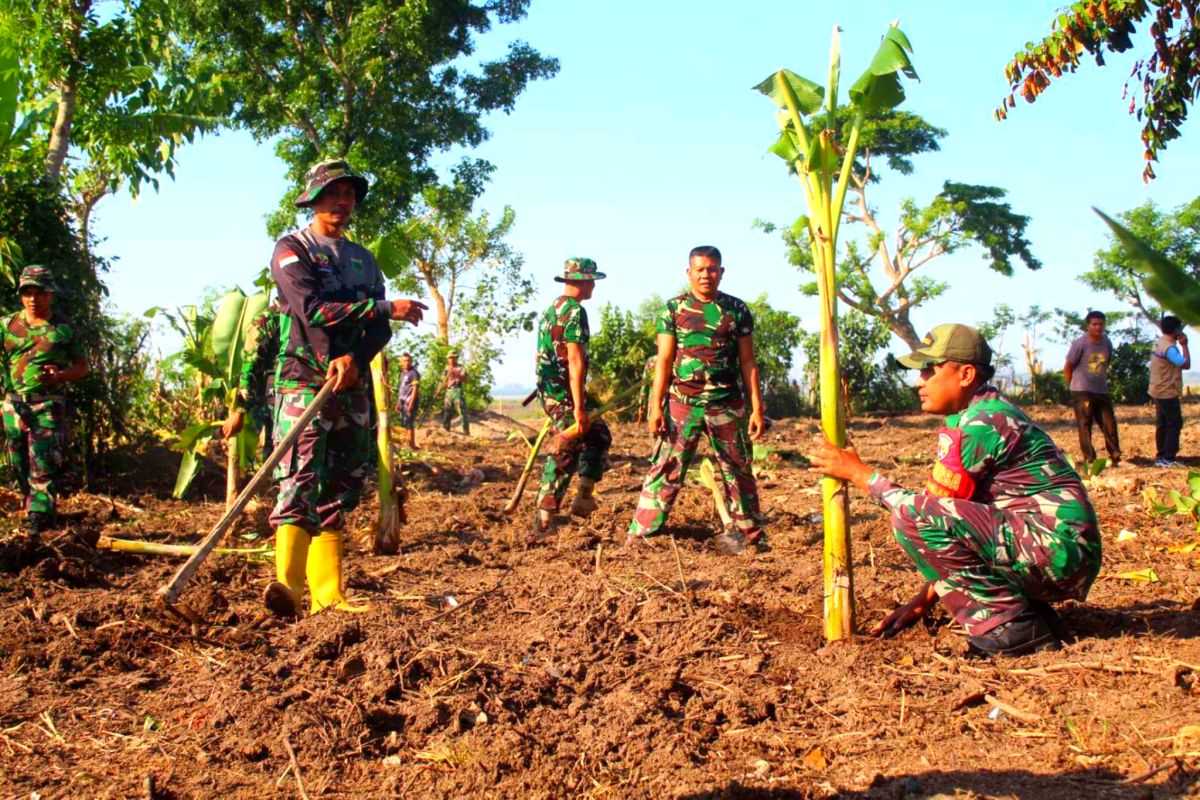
x: 1086, y: 372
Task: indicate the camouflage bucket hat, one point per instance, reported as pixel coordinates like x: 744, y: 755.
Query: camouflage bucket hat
x: 36, y: 275
x: 949, y: 342
x: 579, y: 269
x: 326, y: 173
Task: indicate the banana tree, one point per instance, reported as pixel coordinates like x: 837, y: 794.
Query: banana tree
x: 232, y: 333
x: 1164, y: 280
x: 213, y: 347
x: 821, y: 152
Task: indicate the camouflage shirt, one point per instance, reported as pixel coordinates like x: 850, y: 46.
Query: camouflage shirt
x: 258, y: 363
x: 564, y: 322
x: 993, y: 453
x: 29, y: 348
x: 331, y: 304
x: 707, y: 368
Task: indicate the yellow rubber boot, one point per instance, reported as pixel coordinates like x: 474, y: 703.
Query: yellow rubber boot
x: 283, y: 595
x: 325, y: 574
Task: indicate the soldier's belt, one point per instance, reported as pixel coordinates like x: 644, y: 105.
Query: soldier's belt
x: 15, y: 397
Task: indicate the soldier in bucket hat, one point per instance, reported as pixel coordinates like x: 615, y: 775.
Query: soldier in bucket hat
x: 1003, y: 526
x: 562, y: 366
x: 333, y: 319
x: 41, y: 355
x: 455, y: 400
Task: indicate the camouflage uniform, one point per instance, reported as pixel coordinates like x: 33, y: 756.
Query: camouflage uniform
x: 565, y: 322
x: 1003, y: 519
x: 34, y: 414
x: 456, y: 398
x: 706, y: 398
x: 331, y: 303
x: 255, y: 391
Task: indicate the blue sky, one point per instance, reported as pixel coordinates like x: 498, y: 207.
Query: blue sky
x: 650, y: 141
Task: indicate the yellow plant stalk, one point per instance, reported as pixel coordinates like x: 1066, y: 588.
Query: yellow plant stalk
x: 387, y: 527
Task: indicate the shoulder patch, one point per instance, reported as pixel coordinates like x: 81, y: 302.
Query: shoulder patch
x: 287, y: 258
x: 949, y: 478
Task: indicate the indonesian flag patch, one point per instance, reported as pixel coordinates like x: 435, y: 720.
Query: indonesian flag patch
x: 949, y: 478
x: 287, y: 258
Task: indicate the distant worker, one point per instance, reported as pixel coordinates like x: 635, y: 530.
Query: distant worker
x: 255, y: 394
x: 334, y: 320
x: 705, y: 344
x: 1086, y: 373
x: 562, y: 367
x: 1168, y: 359
x: 456, y: 398
x: 1003, y: 527
x: 41, y: 355
x: 408, y: 394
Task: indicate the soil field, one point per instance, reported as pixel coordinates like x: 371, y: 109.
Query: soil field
x: 492, y: 667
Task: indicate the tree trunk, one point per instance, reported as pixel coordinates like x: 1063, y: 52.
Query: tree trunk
x: 443, y: 314
x: 60, y: 137
x: 232, y: 472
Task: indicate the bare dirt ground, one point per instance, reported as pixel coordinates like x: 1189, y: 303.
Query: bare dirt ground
x: 573, y: 668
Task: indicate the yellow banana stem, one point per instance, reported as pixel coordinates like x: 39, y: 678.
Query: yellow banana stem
x: 839, y: 199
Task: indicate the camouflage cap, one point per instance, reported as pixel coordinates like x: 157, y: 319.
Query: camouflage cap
x: 36, y: 275
x: 579, y: 269
x: 452, y: 354
x: 949, y: 342
x: 326, y: 173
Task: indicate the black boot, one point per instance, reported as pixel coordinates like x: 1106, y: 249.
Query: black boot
x: 1023, y: 634
x: 730, y: 543
x: 1057, y: 625
x: 37, y: 522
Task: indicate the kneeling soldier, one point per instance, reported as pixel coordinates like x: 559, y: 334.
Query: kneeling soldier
x: 1004, y: 526
x: 41, y: 353
x: 562, y: 365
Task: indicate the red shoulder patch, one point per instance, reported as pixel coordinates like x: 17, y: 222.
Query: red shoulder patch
x: 949, y: 478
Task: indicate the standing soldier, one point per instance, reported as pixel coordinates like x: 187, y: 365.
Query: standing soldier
x: 1004, y: 525
x: 705, y: 342
x: 410, y: 390
x: 41, y: 353
x: 456, y: 398
x: 333, y: 320
x: 255, y: 393
x: 562, y: 365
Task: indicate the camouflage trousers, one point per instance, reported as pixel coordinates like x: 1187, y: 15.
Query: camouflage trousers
x: 725, y: 426
x: 456, y: 399
x: 986, y: 562
x: 36, y: 438
x: 321, y: 475
x: 584, y: 455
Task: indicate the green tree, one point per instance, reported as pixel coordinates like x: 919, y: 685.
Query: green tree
x: 620, y: 346
x: 111, y: 92
x: 1163, y: 77
x: 882, y: 276
x: 380, y: 83
x: 460, y: 257
x: 871, y: 379
x: 1175, y: 233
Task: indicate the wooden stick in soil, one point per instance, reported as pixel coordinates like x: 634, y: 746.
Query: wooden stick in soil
x: 708, y: 477
x: 169, y: 593
x: 160, y: 549
x: 287, y: 744
x: 529, y: 462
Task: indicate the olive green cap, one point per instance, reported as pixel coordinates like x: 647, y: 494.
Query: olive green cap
x: 949, y: 342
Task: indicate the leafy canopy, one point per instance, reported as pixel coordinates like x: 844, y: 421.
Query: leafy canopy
x: 1165, y: 72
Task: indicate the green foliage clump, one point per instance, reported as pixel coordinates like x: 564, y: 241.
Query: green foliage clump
x: 872, y: 379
